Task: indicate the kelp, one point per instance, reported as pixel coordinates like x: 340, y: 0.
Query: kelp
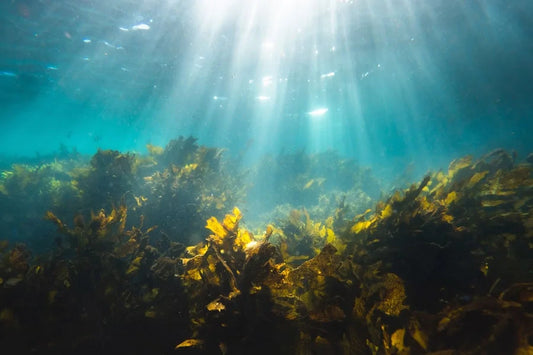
x: 441, y: 267
x: 241, y: 291
x: 102, y: 277
x: 190, y: 185
x: 317, y: 182
x: 27, y: 191
x: 105, y: 182
x: 102, y: 230
x: 300, y: 238
x: 455, y: 249
x: 177, y: 188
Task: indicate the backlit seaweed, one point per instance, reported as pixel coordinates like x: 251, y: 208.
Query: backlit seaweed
x: 176, y: 188
x: 235, y: 274
x: 101, y: 277
x: 441, y: 267
x: 317, y: 182
x: 27, y: 191
x: 299, y: 237
x: 453, y: 251
x: 105, y: 182
x: 190, y: 185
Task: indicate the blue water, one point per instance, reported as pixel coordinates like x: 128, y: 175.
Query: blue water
x: 321, y: 109
x: 389, y: 83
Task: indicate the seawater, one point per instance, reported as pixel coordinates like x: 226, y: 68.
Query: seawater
x: 401, y: 81
x: 295, y: 110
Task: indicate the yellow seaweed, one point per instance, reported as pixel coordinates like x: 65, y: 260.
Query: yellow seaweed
x: 386, y: 212
x: 219, y: 232
x: 459, y: 164
x: 361, y: 226
x: 397, y: 340
x: 477, y: 177
x: 190, y: 343
x: 154, y: 150
x: 416, y: 332
x: 450, y: 198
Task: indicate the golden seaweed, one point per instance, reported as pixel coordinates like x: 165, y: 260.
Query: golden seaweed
x: 442, y: 266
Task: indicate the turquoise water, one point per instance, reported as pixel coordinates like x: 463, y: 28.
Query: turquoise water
x: 266, y: 176
x: 398, y: 87
x: 398, y: 82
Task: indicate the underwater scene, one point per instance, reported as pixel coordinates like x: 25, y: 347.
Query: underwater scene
x: 266, y: 177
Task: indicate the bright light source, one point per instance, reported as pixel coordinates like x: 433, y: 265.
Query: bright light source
x: 318, y: 112
x: 268, y: 45
x: 140, y: 27
x: 328, y: 75
x: 267, y: 80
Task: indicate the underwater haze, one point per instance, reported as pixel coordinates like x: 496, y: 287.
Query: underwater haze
x: 266, y: 176
x: 385, y: 82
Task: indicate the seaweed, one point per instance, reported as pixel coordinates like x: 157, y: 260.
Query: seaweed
x: 320, y: 183
x: 454, y: 252
x: 27, y: 191
x: 102, y: 281
x: 106, y: 180
x: 176, y: 188
x: 241, y: 292
x: 190, y: 185
x: 441, y: 267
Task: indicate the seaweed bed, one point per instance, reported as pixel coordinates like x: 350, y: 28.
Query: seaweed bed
x: 147, y: 254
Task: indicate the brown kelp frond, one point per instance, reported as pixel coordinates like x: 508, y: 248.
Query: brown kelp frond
x: 441, y: 267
